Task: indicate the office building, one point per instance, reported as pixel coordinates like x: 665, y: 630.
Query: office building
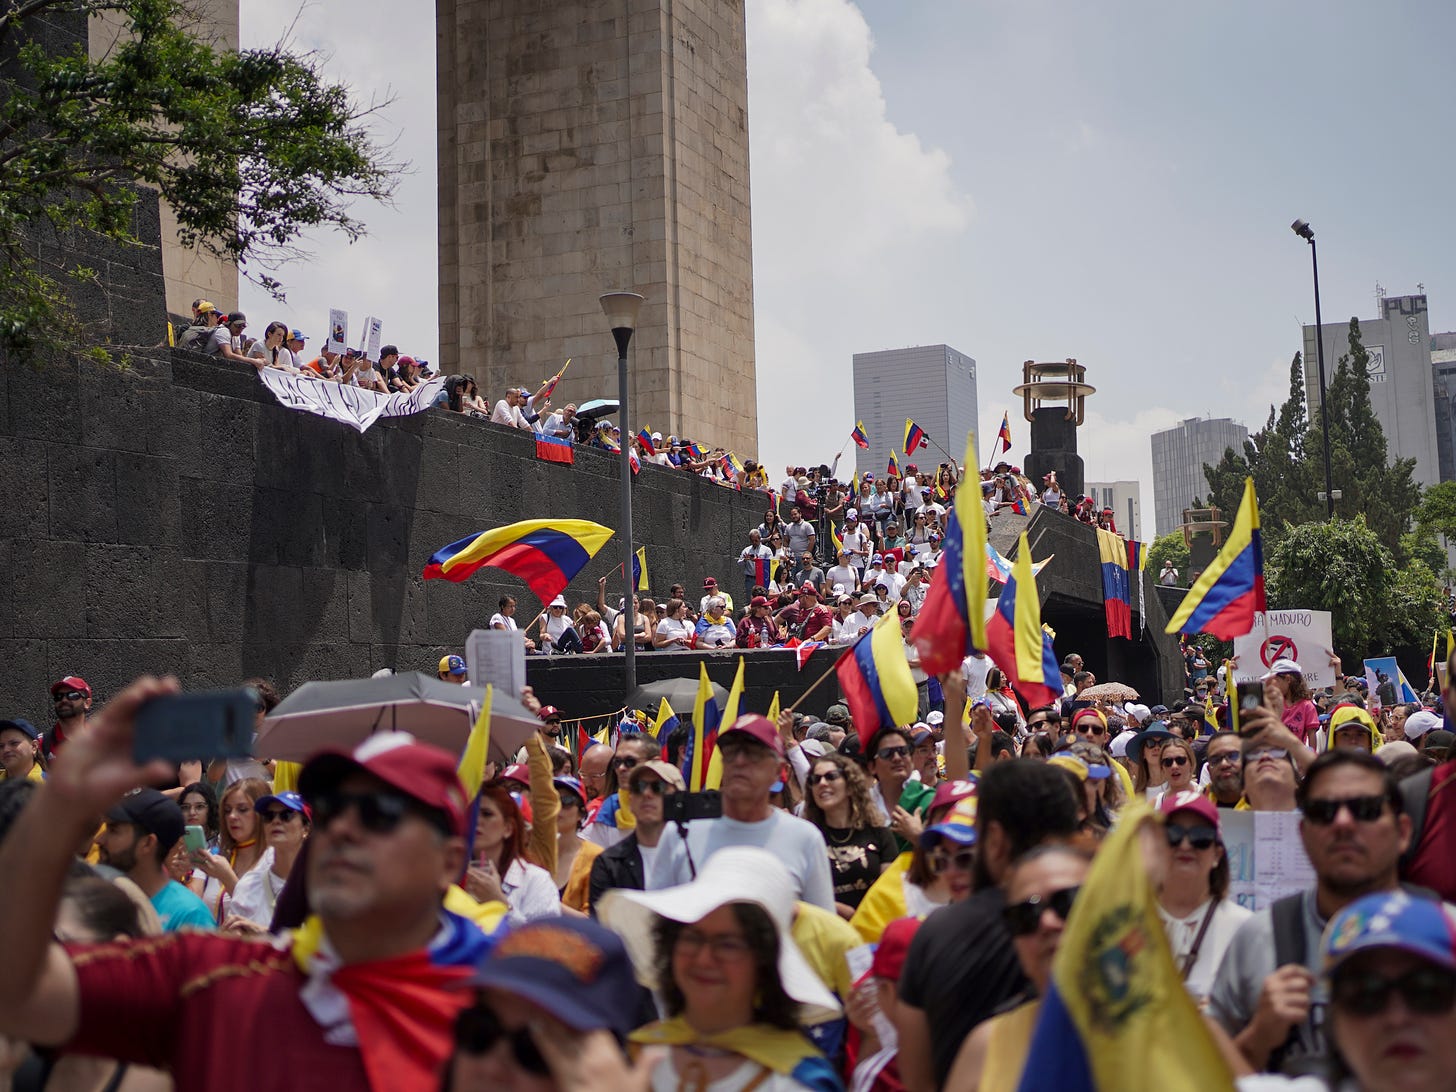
x: 1126, y: 501
x: 1443, y: 373
x: 1179, y: 456
x: 933, y: 385
x: 585, y: 148
x: 1402, y: 380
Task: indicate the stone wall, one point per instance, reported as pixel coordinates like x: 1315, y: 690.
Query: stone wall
x: 174, y: 517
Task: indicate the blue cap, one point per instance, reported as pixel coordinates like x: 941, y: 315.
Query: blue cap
x: 296, y: 335
x: 959, y: 826
x: 1391, y: 919
x: 21, y: 725
x: 575, y: 969
x: 289, y: 799
x: 573, y: 785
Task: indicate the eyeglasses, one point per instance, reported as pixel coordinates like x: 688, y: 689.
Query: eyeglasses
x: 478, y: 1030
x: 279, y: 815
x: 1428, y: 991
x: 1174, y: 760
x: 893, y: 752
x: 1363, y: 809
x: 1223, y: 758
x: 1198, y: 837
x: 624, y: 762
x: 1024, y: 918
x: 733, y: 750
x: 963, y: 861
x: 69, y: 695
x: 379, y: 812
x: 723, y: 947
x: 1266, y: 752
x: 650, y: 786
x: 830, y: 775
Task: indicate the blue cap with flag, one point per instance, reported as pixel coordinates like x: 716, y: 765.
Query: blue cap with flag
x: 1391, y: 919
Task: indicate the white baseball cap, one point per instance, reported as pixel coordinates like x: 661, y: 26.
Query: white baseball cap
x: 1419, y: 723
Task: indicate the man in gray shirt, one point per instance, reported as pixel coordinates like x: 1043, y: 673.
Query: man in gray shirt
x: 1273, y: 1002
x: 752, y: 752
x: 799, y: 532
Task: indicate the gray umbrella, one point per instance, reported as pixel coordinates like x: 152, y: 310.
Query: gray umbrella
x: 341, y: 714
x: 680, y: 694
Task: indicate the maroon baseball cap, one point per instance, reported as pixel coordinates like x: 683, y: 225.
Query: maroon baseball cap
x: 758, y: 727
x: 518, y: 772
x: 809, y: 589
x: 1189, y: 800
x: 418, y: 770
x: 710, y: 582
x: 951, y: 792
x: 70, y: 682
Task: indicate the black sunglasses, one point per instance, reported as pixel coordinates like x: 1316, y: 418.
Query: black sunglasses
x: 69, y: 695
x: 379, y: 812
x: 478, y: 1030
x: 624, y: 762
x: 1198, y: 837
x: 287, y: 815
x: 649, y: 785
x: 1428, y: 991
x: 1024, y: 918
x: 893, y: 752
x: 1363, y: 809
x: 963, y: 860
x: 1175, y: 760
x: 830, y: 775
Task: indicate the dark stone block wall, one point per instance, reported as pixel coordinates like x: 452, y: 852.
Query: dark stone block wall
x: 172, y: 516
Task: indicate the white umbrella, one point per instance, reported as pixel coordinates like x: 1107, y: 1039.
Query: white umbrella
x: 341, y: 714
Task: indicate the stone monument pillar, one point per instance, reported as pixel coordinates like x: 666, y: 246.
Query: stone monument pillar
x: 1054, y: 397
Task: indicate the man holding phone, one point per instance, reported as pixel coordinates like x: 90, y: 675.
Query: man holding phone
x: 364, y: 997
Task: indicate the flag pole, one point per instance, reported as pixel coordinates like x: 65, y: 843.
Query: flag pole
x: 815, y: 684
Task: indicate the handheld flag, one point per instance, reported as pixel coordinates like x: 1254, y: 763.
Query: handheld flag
x: 645, y: 439
x: 666, y: 721
x: 639, y: 569
x: 893, y: 469
x: 854, y: 487
x: 952, y: 621
x: 773, y: 708
x: 1015, y: 637
x: 694, y: 450
x: 803, y: 651
x: 859, y: 436
x: 1231, y: 590
x: 914, y: 437
x: 471, y: 770
x: 555, y: 379
x: 874, y: 677
x: 634, y: 462
x: 765, y: 571
x: 545, y: 553
x: 1004, y: 436
x: 835, y: 539
x: 703, y: 739
x: 714, y: 777
x: 608, y: 440
x: 1115, y: 991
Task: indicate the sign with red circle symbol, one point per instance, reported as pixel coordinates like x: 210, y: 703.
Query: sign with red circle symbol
x: 1278, y: 647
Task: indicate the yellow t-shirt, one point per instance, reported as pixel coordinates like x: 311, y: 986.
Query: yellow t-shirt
x: 824, y: 937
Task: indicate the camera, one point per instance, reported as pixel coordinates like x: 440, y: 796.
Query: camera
x: 684, y: 807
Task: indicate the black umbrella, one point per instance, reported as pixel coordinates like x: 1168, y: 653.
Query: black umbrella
x: 680, y: 694
x: 341, y: 714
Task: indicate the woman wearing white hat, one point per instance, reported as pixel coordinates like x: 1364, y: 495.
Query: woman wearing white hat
x: 736, y: 989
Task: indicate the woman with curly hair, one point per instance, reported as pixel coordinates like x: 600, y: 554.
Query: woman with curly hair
x: 855, y: 830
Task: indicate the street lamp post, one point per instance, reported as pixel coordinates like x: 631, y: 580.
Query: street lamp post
x: 621, y: 310
x: 1305, y: 232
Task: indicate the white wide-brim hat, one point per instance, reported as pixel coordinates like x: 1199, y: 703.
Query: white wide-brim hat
x: 734, y: 874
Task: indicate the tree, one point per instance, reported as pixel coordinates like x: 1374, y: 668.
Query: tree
x: 251, y: 148
x: 1436, y: 513
x: 1169, y: 547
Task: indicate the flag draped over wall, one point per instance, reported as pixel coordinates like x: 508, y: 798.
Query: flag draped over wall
x: 1116, y: 587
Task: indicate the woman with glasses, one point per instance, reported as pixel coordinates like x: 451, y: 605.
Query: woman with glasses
x: 1040, y: 889
x: 1145, y: 750
x: 500, y: 867
x: 856, y: 832
x: 199, y: 809
x: 1198, y: 916
x: 285, y: 820
x: 1179, y: 764
x: 574, y: 855
x: 733, y: 985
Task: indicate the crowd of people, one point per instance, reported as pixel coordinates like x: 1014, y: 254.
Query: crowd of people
x: 864, y: 910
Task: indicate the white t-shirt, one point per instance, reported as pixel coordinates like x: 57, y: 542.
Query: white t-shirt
x: 797, y: 843
x: 530, y: 892
x: 856, y: 541
x: 649, y: 865
x: 843, y: 574
x: 675, y: 627
x: 1182, y: 932
x: 256, y: 892
x: 507, y: 414
x: 556, y: 626
x: 503, y: 621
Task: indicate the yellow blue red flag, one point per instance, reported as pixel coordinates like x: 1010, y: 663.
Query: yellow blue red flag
x: 545, y: 553
x: 952, y: 621
x: 874, y: 677
x: 703, y: 739
x: 1231, y: 591
x: 714, y: 777
x: 1015, y: 637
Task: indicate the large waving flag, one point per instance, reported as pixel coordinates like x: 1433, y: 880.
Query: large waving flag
x: 1115, y: 992
x: 874, y: 677
x: 952, y: 621
x: 1004, y: 436
x: 545, y: 553
x: 703, y: 739
x: 914, y: 437
x: 1015, y: 637
x: 859, y: 436
x: 1231, y: 590
x: 1116, y: 588
x: 714, y: 777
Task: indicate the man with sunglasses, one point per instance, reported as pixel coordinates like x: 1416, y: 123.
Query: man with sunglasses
x: 606, y: 827
x: 360, y: 1000
x: 901, y: 795
x: 632, y: 862
x: 72, y: 699
x: 1047, y: 718
x: 1266, y: 993
x: 1223, y: 769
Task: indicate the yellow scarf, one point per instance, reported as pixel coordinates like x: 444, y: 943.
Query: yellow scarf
x: 773, y: 1048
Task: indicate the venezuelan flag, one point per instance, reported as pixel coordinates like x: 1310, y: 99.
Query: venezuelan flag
x: 694, y: 450
x: 639, y: 569
x: 1116, y: 588
x: 550, y: 386
x: 952, y: 621
x: 874, y: 677
x: 666, y: 721
x: 1231, y: 590
x: 703, y: 739
x: 893, y: 469
x: 914, y: 437
x: 645, y: 439
x: 765, y: 569
x: 713, y: 779
x: 1115, y: 993
x: 1004, y: 436
x: 472, y: 769
x: 835, y: 539
x: 859, y: 436
x: 1015, y: 637
x: 545, y: 553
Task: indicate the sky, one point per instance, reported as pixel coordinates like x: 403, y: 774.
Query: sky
x: 1021, y: 179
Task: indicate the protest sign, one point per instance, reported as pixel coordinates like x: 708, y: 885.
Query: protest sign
x: 338, y: 330
x: 373, y: 328
x: 1265, y: 854
x: 1303, y: 636
x: 497, y: 656
x: 353, y: 406
x: 1386, y: 682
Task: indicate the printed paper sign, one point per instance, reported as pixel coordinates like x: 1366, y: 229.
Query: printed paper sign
x: 1303, y: 636
x: 1265, y: 854
x: 338, y: 330
x: 373, y: 327
x: 498, y: 657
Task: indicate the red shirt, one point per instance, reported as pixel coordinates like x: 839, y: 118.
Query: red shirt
x: 221, y: 1014
x: 1435, y: 861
